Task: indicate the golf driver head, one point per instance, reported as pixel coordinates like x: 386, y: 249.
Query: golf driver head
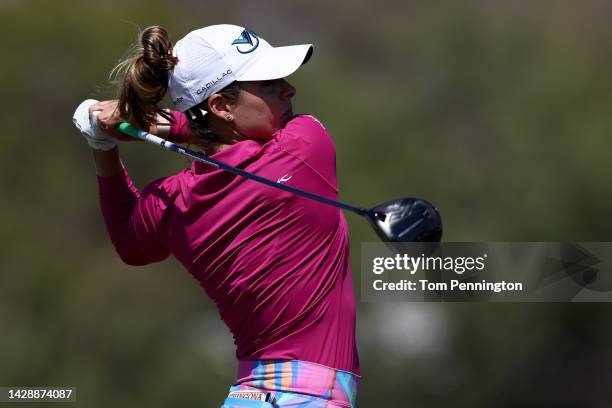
x: 406, y: 220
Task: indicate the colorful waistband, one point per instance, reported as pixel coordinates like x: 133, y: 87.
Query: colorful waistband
x: 298, y: 377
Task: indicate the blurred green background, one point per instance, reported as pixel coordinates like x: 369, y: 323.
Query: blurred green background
x: 498, y: 112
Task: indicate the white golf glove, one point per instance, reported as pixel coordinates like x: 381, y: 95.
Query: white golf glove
x: 88, y: 125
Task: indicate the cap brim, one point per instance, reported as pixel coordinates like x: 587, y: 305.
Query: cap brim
x: 277, y: 62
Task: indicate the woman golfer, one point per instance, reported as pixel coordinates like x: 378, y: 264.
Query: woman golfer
x: 275, y: 264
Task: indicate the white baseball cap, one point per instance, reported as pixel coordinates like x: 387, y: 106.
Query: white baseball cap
x: 213, y: 57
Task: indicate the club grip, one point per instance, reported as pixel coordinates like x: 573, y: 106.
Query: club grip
x: 128, y: 129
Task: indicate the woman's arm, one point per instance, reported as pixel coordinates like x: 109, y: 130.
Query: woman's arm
x: 108, y: 163
x: 134, y: 221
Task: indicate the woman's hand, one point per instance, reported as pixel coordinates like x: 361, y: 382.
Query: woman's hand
x: 88, y: 126
x: 108, y: 119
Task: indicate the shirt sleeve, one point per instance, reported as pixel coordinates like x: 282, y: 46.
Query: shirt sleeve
x: 306, y: 138
x: 136, y: 223
x: 179, y: 130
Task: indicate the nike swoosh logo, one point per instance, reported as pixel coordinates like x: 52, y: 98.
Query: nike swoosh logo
x: 284, y: 178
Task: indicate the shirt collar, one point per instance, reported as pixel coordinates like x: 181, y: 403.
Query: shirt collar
x: 235, y: 155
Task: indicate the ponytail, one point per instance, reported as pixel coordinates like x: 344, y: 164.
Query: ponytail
x: 142, y: 78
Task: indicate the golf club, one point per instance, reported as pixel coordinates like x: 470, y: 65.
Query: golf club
x: 402, y: 220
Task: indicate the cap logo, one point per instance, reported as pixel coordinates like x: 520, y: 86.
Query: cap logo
x: 246, y: 37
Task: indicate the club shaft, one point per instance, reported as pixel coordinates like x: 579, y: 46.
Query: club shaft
x: 128, y: 129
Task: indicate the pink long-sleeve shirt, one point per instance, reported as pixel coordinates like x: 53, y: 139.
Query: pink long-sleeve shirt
x: 276, y: 264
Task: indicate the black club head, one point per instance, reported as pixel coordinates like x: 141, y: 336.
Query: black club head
x: 406, y: 220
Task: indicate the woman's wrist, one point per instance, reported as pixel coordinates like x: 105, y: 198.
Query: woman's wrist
x: 161, y: 127
x: 107, y: 162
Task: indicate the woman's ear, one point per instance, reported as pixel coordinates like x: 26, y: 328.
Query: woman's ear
x: 219, y: 107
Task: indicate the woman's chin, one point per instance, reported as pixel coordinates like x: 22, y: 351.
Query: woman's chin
x: 287, y: 119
